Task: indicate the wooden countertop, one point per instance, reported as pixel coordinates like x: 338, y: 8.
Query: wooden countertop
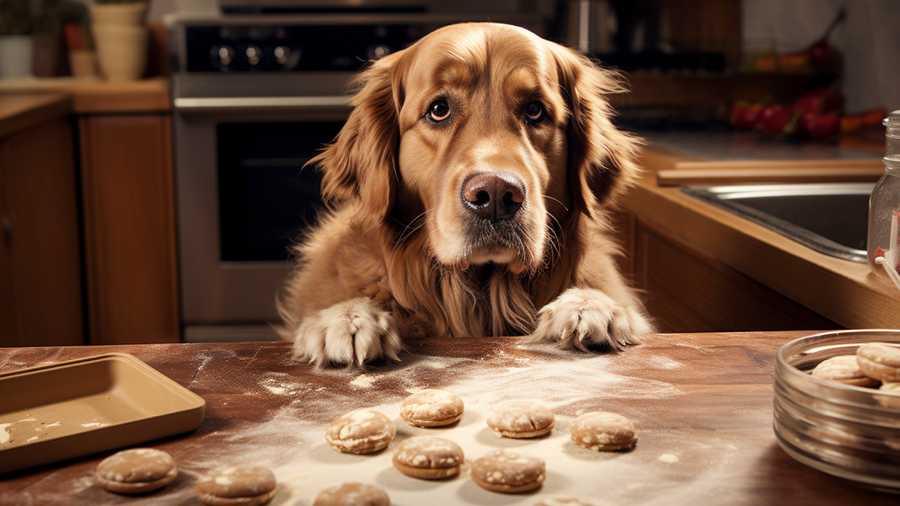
x: 702, y: 402
x: 18, y: 112
x: 843, y: 291
x: 94, y: 96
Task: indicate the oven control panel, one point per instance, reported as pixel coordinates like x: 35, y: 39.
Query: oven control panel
x: 292, y: 48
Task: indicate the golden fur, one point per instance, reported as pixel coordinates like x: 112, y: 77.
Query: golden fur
x: 393, y: 258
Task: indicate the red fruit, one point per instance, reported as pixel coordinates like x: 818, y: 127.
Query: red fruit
x: 774, y: 119
x: 744, y: 115
x: 737, y: 112
x: 821, y: 126
x: 822, y: 54
x: 819, y: 101
x: 873, y: 117
x: 850, y: 124
x: 751, y: 115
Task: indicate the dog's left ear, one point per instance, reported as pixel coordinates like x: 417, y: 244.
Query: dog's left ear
x: 361, y: 163
x: 601, y: 157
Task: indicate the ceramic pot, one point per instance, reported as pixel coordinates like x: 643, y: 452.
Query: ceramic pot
x: 128, y: 14
x: 15, y: 56
x: 122, y: 51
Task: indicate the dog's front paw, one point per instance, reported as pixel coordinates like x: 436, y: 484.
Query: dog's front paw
x: 351, y: 332
x: 584, y: 317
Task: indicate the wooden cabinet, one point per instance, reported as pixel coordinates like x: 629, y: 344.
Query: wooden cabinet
x: 40, y: 261
x: 687, y: 291
x: 129, y: 227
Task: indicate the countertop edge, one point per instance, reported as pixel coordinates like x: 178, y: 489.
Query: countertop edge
x: 100, y: 97
x: 843, y: 291
x: 19, y: 112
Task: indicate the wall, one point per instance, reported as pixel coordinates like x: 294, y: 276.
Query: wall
x: 869, y: 39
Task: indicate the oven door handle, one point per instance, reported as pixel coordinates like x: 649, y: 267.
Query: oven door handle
x: 253, y: 105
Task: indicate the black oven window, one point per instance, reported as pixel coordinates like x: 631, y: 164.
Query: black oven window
x: 266, y: 198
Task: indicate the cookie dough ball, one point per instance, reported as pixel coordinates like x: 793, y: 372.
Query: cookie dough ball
x: 428, y: 458
x: 843, y: 369
x: 431, y: 408
x: 879, y: 361
x: 136, y: 471
x: 521, y: 420
x: 567, y: 501
x: 508, y: 472
x: 603, y: 431
x: 361, y: 432
x: 240, y: 485
x: 352, y: 494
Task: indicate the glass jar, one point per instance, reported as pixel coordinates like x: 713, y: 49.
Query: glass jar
x: 884, y: 207
x: 844, y: 430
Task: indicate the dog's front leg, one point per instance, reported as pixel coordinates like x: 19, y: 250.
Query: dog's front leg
x: 355, y: 331
x: 585, y: 317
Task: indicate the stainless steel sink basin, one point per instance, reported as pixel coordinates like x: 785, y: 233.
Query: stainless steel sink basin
x: 830, y: 218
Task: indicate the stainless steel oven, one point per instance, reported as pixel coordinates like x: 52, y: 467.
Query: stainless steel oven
x: 243, y: 199
x: 255, y: 96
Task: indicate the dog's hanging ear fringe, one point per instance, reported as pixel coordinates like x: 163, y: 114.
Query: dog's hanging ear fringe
x: 602, y: 157
x: 361, y: 163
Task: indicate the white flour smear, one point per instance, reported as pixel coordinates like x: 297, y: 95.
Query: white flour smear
x: 279, y: 383
x: 296, y: 451
x: 304, y: 463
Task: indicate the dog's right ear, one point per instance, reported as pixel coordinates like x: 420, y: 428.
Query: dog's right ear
x: 361, y: 163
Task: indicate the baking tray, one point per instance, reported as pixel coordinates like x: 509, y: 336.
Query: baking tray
x: 59, y: 411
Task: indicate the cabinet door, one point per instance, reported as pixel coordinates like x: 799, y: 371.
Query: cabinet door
x: 42, y: 278
x: 129, y: 228
x: 687, y: 292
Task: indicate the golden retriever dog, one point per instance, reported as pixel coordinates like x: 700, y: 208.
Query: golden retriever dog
x: 469, y: 194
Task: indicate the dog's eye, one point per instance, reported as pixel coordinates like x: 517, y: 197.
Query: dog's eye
x: 534, y: 112
x: 438, y: 111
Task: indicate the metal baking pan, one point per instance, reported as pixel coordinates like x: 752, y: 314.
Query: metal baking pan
x: 59, y: 411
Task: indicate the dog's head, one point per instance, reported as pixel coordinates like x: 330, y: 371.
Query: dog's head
x: 486, y: 135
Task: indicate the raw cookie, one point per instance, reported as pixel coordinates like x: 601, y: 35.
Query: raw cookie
x: 352, y: 494
x: 431, y: 408
x: 361, y: 432
x: 428, y: 458
x: 243, y: 485
x: 508, y: 472
x: 520, y: 420
x: 603, y: 431
x: 879, y: 361
x: 566, y: 501
x: 136, y: 471
x: 843, y: 369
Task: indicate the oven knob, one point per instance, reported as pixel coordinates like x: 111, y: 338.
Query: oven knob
x: 254, y: 55
x: 223, y: 56
x: 282, y: 54
x: 378, y: 50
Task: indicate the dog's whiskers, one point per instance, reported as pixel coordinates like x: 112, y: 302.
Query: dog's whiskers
x: 560, y: 202
x: 416, y: 223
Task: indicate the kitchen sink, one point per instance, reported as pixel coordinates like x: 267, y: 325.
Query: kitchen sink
x: 831, y: 218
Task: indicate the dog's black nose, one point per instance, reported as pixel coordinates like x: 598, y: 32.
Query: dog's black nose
x: 496, y: 196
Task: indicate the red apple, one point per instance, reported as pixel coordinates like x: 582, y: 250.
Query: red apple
x: 821, y: 126
x: 774, y: 119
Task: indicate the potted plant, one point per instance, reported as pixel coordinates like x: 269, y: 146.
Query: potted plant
x: 15, y: 38
x: 120, y: 37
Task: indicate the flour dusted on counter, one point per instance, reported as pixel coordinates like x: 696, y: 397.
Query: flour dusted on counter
x: 362, y: 381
